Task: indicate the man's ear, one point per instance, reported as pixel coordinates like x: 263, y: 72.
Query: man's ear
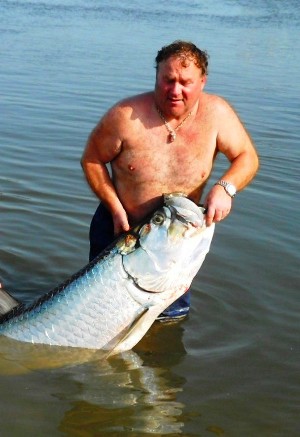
x: 203, y: 80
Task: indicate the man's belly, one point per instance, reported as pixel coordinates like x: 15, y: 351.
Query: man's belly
x: 139, y: 200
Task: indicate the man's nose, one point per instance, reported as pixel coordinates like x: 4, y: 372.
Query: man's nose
x: 176, y: 89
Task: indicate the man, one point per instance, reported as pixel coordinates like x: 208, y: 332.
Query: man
x: 166, y: 141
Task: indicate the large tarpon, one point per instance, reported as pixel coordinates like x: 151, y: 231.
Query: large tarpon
x: 113, y: 301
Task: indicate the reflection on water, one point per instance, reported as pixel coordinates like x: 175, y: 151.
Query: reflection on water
x: 18, y: 358
x: 136, y: 391
x: 132, y: 394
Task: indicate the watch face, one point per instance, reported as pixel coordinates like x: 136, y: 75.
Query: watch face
x: 231, y: 189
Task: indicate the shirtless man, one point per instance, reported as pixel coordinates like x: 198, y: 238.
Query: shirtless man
x: 166, y: 141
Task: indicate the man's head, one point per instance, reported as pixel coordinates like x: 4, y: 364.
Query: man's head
x: 186, y: 52
x: 181, y: 71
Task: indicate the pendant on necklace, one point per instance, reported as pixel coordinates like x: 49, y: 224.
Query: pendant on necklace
x: 172, y: 136
x: 172, y: 132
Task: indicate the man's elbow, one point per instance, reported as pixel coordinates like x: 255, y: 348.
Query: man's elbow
x: 85, y: 159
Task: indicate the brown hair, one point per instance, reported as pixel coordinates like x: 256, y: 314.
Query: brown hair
x: 186, y: 51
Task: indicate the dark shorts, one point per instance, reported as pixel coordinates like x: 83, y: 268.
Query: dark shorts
x: 101, y: 231
x: 102, y: 234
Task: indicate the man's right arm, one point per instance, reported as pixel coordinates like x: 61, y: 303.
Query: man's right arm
x: 103, y: 145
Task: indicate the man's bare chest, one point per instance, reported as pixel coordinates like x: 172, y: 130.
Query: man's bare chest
x: 144, y: 158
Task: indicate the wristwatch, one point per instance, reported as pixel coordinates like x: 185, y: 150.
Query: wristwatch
x: 228, y: 187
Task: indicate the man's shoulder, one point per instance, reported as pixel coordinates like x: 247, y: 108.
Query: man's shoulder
x: 217, y: 106
x: 135, y: 101
x: 124, y: 113
x: 215, y: 101
x: 125, y: 107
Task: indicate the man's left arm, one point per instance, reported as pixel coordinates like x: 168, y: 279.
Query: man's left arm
x: 235, y: 143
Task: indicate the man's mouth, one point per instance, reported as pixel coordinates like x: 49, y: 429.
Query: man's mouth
x: 175, y: 100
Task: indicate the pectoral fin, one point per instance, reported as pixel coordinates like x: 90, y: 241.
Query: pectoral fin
x: 126, y: 333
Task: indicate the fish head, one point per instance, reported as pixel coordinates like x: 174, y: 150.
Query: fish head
x: 171, y: 247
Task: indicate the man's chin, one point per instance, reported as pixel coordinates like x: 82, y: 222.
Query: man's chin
x: 176, y: 109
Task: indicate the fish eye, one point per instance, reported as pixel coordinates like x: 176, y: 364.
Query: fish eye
x: 158, y: 219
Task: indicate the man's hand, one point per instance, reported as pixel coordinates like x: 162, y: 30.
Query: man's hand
x: 120, y: 220
x: 218, y: 204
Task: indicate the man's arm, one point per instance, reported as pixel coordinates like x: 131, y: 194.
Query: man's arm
x: 103, y: 145
x: 235, y: 143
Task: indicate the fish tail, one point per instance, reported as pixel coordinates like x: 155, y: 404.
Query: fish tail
x: 8, y: 304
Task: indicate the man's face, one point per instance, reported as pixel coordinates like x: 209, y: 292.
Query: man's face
x: 178, y: 86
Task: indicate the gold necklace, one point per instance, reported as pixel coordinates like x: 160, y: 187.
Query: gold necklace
x: 172, y: 132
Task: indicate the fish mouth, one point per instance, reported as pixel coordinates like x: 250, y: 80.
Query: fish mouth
x: 180, y: 202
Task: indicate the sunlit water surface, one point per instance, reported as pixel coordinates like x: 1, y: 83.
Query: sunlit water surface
x: 232, y: 368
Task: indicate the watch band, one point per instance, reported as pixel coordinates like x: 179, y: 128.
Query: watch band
x: 222, y: 183
x: 228, y: 187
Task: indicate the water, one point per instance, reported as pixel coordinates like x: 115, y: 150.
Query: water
x: 232, y: 368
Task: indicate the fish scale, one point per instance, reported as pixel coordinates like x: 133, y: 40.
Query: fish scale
x: 75, y: 315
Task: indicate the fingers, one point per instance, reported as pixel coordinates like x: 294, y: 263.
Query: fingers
x: 120, y: 224
x: 119, y: 228
x: 214, y: 215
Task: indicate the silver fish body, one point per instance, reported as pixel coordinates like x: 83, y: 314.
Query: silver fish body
x: 113, y: 301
